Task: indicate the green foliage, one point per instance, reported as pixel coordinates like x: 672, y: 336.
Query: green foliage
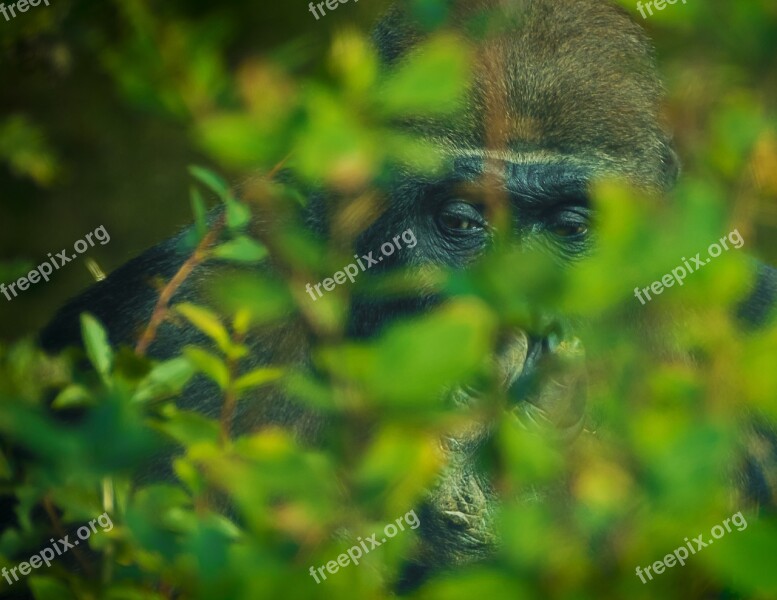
x: 650, y: 469
x: 24, y: 147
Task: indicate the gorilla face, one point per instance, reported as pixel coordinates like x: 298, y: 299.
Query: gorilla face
x: 453, y: 224
x: 564, y: 93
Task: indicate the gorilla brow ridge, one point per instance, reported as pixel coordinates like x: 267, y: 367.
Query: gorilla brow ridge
x: 534, y: 184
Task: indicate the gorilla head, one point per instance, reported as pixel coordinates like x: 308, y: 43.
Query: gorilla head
x: 570, y: 84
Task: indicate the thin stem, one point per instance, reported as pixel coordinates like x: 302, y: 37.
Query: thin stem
x: 163, y: 303
x: 230, y: 394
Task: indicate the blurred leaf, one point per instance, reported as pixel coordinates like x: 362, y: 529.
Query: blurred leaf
x: 743, y: 558
x: 23, y: 145
x: 200, y: 213
x: 241, y: 249
x: 354, y: 60
x: 210, y: 365
x: 73, y: 396
x: 258, y: 377
x: 263, y: 298
x: 237, y: 139
x: 430, y: 13
x: 334, y: 146
x: 165, y: 380
x: 49, y: 588
x: 432, y: 81
x: 97, y: 346
x: 399, y: 465
x: 238, y: 214
x: 207, y: 322
x: 12, y: 270
x: 212, y: 181
x: 188, y: 427
x: 425, y: 354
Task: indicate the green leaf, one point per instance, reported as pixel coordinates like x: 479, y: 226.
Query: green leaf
x: 49, y: 588
x: 239, y: 140
x: 241, y: 249
x: 23, y: 145
x: 208, y: 323
x: 264, y: 299
x: 416, y: 153
x: 72, y: 396
x: 130, y: 366
x: 354, y: 60
x: 426, y: 355
x: 334, y: 144
x: 190, y: 427
x: 165, y: 380
x: 200, y: 213
x: 98, y: 349
x: 238, y: 215
x: 212, y: 366
x: 745, y: 559
x: 432, y: 82
x: 212, y: 181
x: 188, y: 473
x: 258, y: 377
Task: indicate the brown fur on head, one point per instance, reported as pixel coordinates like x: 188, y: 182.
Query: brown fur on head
x: 555, y: 80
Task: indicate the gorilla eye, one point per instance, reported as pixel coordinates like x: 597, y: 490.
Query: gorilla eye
x: 569, y: 231
x: 461, y: 216
x: 569, y: 225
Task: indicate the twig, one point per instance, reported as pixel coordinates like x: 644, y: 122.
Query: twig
x: 200, y: 254
x: 162, y: 306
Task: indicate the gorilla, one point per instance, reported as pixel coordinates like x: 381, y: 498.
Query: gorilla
x: 564, y: 92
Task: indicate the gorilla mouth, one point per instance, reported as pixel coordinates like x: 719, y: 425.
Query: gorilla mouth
x: 548, y: 396
x: 544, y: 381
